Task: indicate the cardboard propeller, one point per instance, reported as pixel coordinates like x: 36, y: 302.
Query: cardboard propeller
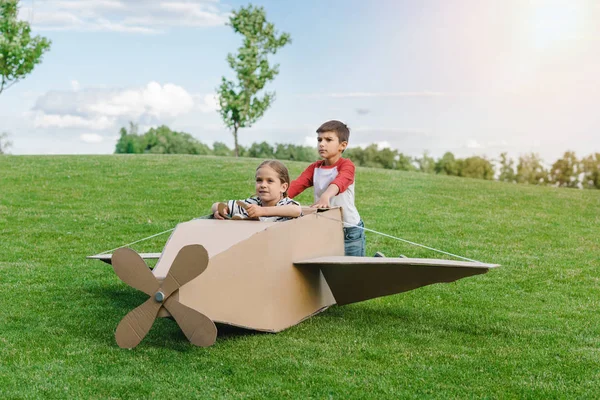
x: 190, y: 262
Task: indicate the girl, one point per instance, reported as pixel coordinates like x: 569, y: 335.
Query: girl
x: 270, y: 203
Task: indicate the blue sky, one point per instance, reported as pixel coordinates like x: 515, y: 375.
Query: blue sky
x: 467, y: 76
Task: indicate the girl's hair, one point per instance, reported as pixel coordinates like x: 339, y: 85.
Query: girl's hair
x: 281, y: 170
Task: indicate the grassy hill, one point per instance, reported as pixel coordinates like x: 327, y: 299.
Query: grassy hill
x: 530, y: 329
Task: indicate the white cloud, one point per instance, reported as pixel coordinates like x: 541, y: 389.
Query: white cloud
x: 91, y: 138
x: 102, y: 109
x: 380, y: 145
x: 149, y: 16
x: 75, y: 85
x: 207, y: 103
x: 42, y: 120
x: 473, y: 144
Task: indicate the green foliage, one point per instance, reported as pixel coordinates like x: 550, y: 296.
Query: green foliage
x: 261, y: 150
x: 426, y: 163
x: 476, y: 167
x: 405, y: 163
x: 507, y: 169
x: 531, y: 170
x: 447, y: 165
x: 527, y: 330
x: 242, y: 101
x: 386, y: 158
x: 591, y: 171
x: 565, y: 171
x: 4, y: 142
x: 19, y: 52
x: 161, y: 140
x: 295, y: 153
x: 221, y: 149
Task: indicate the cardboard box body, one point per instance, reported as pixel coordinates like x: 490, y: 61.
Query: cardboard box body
x: 251, y: 280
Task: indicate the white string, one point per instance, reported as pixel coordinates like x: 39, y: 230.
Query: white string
x: 331, y: 219
x: 137, y: 241
x: 401, y: 240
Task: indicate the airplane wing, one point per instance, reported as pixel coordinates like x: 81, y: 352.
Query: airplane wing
x: 107, y: 258
x: 353, y: 279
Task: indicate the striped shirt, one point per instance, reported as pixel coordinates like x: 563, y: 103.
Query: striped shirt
x: 235, y: 209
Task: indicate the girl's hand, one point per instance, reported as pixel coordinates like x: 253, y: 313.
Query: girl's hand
x: 255, y: 211
x: 217, y: 215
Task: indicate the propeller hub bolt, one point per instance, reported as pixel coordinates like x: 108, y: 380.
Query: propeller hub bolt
x: 159, y: 297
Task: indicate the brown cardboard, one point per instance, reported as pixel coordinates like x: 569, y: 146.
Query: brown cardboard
x: 188, y: 264
x: 268, y: 276
x: 107, y: 258
x: 353, y: 279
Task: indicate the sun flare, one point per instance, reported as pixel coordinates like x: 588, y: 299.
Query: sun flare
x: 554, y: 22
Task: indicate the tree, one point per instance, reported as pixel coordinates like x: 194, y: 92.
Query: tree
x: 426, y: 163
x: 19, y: 52
x: 261, y: 150
x: 531, y: 170
x: 404, y: 163
x: 4, y: 142
x: 507, y: 169
x: 591, y: 170
x: 295, y: 153
x: 565, y: 171
x: 476, y: 167
x: 130, y: 142
x: 221, y: 149
x: 161, y: 140
x: 241, y: 101
x: 447, y: 165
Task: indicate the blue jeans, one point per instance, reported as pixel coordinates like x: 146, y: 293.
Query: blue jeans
x: 354, y: 240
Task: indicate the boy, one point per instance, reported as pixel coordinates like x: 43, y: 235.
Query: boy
x: 333, y: 180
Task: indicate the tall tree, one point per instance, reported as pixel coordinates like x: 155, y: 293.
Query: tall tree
x: 447, y: 165
x: 426, y: 163
x: 507, y: 168
x: 19, y: 52
x: 243, y: 101
x: 565, y: 171
x: 530, y: 169
x: 591, y: 170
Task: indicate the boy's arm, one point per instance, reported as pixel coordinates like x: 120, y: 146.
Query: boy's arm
x: 323, y: 202
x: 304, y: 181
x: 345, y: 178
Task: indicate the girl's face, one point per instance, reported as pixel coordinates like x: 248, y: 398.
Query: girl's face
x: 269, y: 188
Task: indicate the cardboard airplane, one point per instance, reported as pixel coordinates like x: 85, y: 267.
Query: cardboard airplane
x: 264, y: 276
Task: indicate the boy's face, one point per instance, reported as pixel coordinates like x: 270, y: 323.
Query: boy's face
x: 329, y: 145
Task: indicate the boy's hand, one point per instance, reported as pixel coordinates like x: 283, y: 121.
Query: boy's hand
x: 255, y: 211
x: 323, y: 202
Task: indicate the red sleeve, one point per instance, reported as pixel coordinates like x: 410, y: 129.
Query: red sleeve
x: 304, y: 181
x: 345, y: 178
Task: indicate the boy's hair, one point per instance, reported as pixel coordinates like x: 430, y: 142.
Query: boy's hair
x: 280, y: 168
x: 341, y: 130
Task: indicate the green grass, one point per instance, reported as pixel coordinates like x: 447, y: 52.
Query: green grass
x: 530, y: 329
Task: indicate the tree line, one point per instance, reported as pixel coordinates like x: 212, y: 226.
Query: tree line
x: 568, y: 171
